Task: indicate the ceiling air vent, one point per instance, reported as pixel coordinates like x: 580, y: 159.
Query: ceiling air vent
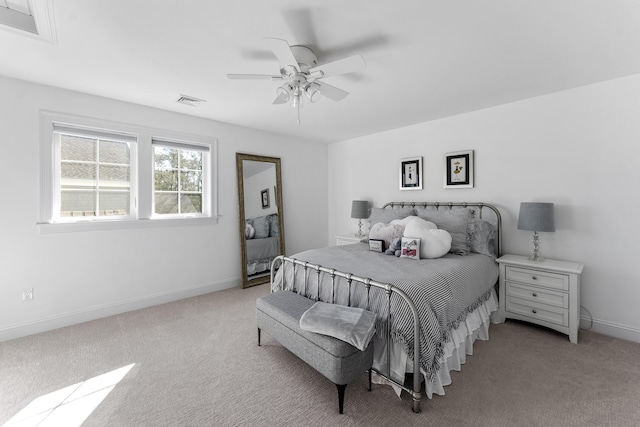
x: 190, y: 100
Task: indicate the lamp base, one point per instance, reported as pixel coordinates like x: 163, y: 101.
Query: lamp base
x: 360, y: 233
x: 536, y: 258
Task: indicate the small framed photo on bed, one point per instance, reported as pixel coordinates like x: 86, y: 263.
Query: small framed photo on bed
x: 376, y: 245
x: 411, y: 173
x: 264, y: 195
x: 458, y: 169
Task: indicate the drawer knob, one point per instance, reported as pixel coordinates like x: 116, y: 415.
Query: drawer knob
x: 534, y: 277
x: 533, y: 311
x: 534, y: 294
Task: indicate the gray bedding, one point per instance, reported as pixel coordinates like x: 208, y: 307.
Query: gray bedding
x: 444, y: 291
x: 259, y: 249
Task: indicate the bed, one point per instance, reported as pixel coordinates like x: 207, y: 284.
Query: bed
x: 262, y: 243
x: 442, y: 303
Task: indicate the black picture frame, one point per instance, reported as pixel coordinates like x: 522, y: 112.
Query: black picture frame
x: 411, y: 173
x: 264, y: 196
x: 458, y: 169
x: 376, y: 245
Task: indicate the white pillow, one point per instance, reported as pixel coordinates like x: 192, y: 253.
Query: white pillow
x: 386, y: 232
x: 404, y: 221
x: 434, y: 243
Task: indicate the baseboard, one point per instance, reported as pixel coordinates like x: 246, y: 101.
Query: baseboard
x: 93, y: 313
x: 611, y: 329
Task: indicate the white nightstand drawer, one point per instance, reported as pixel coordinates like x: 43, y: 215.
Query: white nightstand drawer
x: 538, y: 277
x: 536, y: 294
x: 542, y: 312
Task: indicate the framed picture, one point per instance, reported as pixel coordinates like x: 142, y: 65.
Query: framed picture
x: 376, y: 245
x: 265, y: 198
x: 411, y: 173
x: 458, y: 169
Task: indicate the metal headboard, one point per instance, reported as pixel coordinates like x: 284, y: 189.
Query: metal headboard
x: 450, y: 205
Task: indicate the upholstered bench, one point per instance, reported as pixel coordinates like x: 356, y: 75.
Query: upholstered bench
x: 278, y: 314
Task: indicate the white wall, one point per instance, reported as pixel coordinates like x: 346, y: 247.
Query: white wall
x: 80, y: 276
x: 253, y: 187
x: 579, y: 149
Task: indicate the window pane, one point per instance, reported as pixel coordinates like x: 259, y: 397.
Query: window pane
x: 190, y: 181
x: 165, y: 158
x: 114, y: 173
x: 191, y: 203
x: 166, y: 180
x: 77, y: 203
x: 78, y: 171
x: 77, y: 148
x: 190, y: 160
x: 114, y: 152
x: 114, y: 203
x: 166, y: 203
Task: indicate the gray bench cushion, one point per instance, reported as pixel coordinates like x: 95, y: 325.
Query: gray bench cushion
x: 278, y: 314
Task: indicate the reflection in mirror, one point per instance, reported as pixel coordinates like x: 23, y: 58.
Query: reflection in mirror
x: 261, y: 223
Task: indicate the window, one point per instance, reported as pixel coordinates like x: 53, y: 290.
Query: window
x: 98, y: 175
x: 92, y: 174
x: 179, y: 178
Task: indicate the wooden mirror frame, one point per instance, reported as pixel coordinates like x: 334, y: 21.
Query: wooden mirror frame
x: 240, y: 157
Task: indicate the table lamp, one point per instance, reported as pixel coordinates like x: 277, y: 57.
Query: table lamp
x: 360, y: 210
x: 536, y: 216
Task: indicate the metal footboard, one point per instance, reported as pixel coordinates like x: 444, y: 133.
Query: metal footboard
x: 353, y: 280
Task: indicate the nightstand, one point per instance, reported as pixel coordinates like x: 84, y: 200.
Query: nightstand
x: 545, y: 293
x: 347, y: 239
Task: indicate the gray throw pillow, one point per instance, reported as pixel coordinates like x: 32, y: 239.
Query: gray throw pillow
x: 261, y: 224
x: 274, y: 225
x: 385, y: 216
x: 458, y: 222
x: 483, y: 239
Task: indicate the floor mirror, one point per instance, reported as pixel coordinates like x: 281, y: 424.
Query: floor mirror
x: 261, y: 224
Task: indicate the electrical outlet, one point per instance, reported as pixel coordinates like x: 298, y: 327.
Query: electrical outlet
x: 27, y: 294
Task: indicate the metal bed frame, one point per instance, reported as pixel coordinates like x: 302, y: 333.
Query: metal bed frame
x: 389, y: 289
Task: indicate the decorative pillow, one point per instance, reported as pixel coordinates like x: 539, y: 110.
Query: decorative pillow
x: 274, y: 225
x: 249, y: 231
x: 483, y: 239
x: 410, y: 248
x: 386, y: 232
x: 403, y: 222
x: 387, y: 215
x: 458, y: 222
x: 433, y: 242
x: 261, y: 224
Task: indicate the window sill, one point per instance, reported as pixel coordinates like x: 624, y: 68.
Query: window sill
x: 71, y: 227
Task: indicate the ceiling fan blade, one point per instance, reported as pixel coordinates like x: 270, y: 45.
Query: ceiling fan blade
x: 282, y: 51
x: 331, y: 92
x: 280, y: 99
x: 352, y: 64
x: 253, y: 77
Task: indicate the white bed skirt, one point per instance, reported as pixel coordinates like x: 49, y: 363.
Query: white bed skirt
x: 476, y: 326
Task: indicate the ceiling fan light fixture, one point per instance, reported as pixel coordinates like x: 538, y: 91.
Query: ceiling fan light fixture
x: 284, y: 92
x: 313, y: 92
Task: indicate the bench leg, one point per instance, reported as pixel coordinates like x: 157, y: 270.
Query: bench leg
x: 259, y: 337
x: 369, y: 371
x: 341, y: 388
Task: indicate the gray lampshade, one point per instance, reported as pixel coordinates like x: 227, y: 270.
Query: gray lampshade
x: 360, y: 209
x: 536, y: 216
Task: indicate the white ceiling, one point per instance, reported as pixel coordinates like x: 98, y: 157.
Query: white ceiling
x: 425, y: 59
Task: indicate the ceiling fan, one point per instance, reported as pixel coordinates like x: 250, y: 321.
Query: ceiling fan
x: 302, y: 75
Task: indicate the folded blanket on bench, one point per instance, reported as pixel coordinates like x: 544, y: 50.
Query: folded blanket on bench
x: 355, y: 326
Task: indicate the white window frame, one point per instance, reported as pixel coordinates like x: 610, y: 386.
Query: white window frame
x: 206, y: 204
x: 59, y: 128
x: 141, y: 214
